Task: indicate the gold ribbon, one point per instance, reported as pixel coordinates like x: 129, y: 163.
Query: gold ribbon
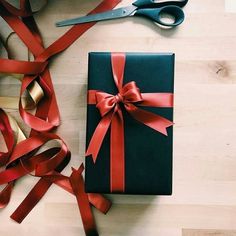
x: 18, y: 133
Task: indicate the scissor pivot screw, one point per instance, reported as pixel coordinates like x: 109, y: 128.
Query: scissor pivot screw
x: 124, y: 11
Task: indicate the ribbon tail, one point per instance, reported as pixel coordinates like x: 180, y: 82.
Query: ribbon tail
x: 150, y: 119
x: 5, y: 195
x: 100, y: 202
x: 31, y: 200
x: 77, y: 184
x: 35, y: 195
x: 98, y: 136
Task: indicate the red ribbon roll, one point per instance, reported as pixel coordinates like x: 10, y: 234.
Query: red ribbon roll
x: 111, y: 113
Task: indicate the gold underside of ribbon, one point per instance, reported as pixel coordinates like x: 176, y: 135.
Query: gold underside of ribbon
x: 18, y: 133
x: 9, y: 102
x: 36, y: 94
x: 30, y: 100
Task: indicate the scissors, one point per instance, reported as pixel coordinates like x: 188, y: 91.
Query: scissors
x: 152, y: 9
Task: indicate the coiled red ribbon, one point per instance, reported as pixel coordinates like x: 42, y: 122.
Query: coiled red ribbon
x: 22, y: 158
x: 111, y: 113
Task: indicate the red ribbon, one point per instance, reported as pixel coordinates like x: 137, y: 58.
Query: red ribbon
x: 111, y: 113
x: 22, y: 159
x: 47, y: 116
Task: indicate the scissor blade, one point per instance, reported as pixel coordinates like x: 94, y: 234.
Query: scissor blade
x: 108, y: 15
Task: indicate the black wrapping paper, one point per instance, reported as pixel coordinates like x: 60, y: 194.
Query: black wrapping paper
x: 148, y: 153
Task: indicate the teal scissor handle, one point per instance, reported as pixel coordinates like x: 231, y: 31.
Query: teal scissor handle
x: 156, y: 14
x: 159, y: 3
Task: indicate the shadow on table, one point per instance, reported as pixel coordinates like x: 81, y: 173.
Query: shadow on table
x: 161, y: 30
x: 126, y: 214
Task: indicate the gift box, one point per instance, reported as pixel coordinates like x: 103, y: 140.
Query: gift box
x: 129, y: 123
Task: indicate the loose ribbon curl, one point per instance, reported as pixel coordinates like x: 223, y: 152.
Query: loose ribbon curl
x: 111, y: 113
x: 22, y: 157
x: 47, y: 116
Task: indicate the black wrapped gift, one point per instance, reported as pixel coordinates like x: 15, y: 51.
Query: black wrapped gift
x: 140, y: 162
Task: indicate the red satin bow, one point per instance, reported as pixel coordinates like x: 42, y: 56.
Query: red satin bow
x: 111, y: 112
x: 130, y: 93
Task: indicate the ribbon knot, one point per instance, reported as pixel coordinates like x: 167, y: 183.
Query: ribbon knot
x: 119, y: 98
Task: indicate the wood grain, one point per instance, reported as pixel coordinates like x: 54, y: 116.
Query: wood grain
x: 194, y: 232
x: 204, y: 198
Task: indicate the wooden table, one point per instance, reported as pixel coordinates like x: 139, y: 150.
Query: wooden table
x: 204, y: 198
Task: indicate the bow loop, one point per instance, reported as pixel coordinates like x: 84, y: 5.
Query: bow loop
x: 105, y: 102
